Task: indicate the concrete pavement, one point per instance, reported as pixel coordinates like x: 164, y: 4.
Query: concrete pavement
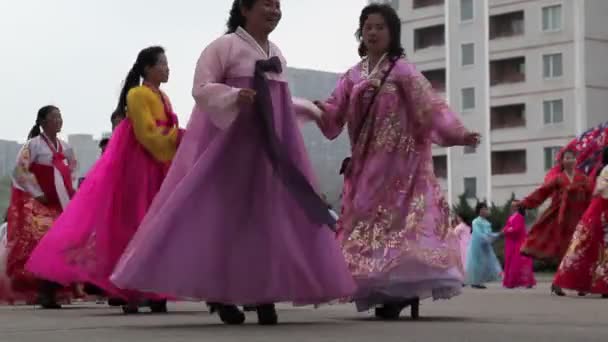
x: 492, y: 315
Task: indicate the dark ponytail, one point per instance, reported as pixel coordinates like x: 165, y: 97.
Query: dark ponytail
x: 147, y: 57
x: 236, y: 17
x: 40, y: 118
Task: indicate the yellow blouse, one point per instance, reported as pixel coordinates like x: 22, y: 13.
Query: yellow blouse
x: 144, y: 108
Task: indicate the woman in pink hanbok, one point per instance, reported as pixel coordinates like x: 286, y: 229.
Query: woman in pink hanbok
x: 396, y: 224
x: 237, y: 221
x: 88, y: 239
x: 462, y: 232
x: 518, y: 268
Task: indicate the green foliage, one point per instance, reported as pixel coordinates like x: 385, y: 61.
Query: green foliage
x: 498, y: 217
x: 5, y: 194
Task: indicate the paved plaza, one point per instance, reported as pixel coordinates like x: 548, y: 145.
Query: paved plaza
x: 492, y: 315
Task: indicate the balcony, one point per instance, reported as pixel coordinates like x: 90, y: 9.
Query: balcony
x: 436, y: 78
x: 426, y: 3
x: 509, y: 116
x: 509, y: 162
x: 440, y: 166
x: 507, y: 25
x: 506, y: 71
x: 427, y: 37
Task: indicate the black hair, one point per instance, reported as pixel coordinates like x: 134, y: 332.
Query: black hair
x: 236, y: 18
x: 40, y: 118
x: 604, y: 162
x: 479, y: 207
x: 521, y: 210
x: 393, y: 22
x: 103, y: 142
x: 344, y: 165
x: 561, y: 158
x: 147, y: 57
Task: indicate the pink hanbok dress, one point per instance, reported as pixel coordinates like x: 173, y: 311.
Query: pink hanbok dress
x: 518, y: 269
x: 395, y: 222
x: 223, y: 227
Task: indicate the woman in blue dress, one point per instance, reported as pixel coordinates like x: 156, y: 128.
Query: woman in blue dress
x: 482, y: 264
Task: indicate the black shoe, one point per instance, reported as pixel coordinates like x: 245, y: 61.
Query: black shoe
x: 158, y: 306
x: 267, y: 315
x: 605, y: 296
x: 116, y: 302
x: 229, y: 314
x: 47, y: 295
x: 414, y: 308
x: 49, y: 304
x: 582, y: 294
x: 479, y: 287
x: 557, y: 291
x: 130, y: 309
x: 389, y: 311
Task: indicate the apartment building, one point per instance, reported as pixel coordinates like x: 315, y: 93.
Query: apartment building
x: 526, y: 74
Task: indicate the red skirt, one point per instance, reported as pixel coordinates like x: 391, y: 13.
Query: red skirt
x: 584, y: 268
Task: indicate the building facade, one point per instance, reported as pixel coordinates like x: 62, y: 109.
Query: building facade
x: 526, y: 74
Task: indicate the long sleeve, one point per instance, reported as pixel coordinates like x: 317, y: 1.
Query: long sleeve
x: 515, y: 226
x: 431, y: 114
x: 22, y: 177
x: 216, y: 99
x: 334, y: 118
x: 153, y: 138
x: 540, y: 195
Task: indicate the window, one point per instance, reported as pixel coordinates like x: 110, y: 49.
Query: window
x: 552, y: 18
x: 507, y: 25
x: 436, y: 78
x: 508, y: 116
x: 470, y: 149
x: 553, y: 112
x: 425, y: 3
x: 466, y: 10
x: 467, y: 54
x: 552, y: 65
x: 550, y: 156
x: 509, y: 70
x: 468, y: 99
x: 440, y: 166
x: 509, y: 162
x: 470, y: 187
x: 427, y: 37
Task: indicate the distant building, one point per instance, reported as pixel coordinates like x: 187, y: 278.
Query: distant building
x: 87, y: 151
x: 8, y: 156
x: 326, y: 156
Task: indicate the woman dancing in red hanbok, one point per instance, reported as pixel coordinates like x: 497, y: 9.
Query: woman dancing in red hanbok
x: 584, y: 268
x: 570, y: 191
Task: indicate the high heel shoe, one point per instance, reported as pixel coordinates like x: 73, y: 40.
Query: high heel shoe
x: 556, y: 290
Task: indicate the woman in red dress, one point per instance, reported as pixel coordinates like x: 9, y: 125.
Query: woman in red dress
x: 41, y: 189
x: 584, y: 268
x: 570, y: 193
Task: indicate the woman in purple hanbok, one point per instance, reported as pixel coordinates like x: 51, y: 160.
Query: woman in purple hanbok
x: 395, y: 222
x: 237, y: 221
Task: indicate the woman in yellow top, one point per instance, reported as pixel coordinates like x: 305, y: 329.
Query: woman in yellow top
x: 89, y: 238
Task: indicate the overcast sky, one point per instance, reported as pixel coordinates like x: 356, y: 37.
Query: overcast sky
x: 75, y: 53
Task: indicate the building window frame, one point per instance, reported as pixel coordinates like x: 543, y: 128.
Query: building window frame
x: 472, y: 182
x: 460, y: 12
x: 462, y: 45
x: 551, y: 114
x: 550, y: 155
x: 462, y: 101
x: 550, y: 25
x: 549, y: 58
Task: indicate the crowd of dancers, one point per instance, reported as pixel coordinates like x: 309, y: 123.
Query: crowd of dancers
x: 227, y: 211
